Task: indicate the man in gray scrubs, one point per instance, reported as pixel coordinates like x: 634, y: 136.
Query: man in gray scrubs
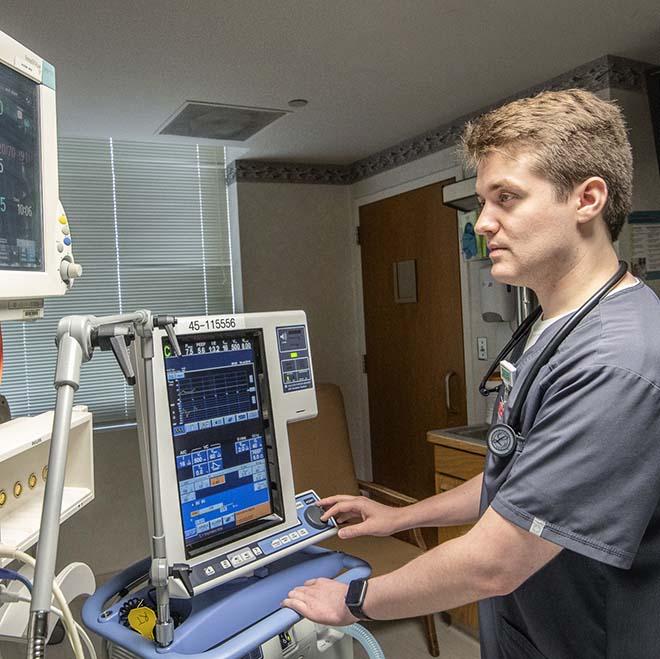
x: 564, y: 556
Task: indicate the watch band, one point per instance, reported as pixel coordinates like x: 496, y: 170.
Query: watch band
x: 355, y: 596
x: 357, y: 612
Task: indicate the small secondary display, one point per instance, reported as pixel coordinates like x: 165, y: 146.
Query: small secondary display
x: 218, y: 431
x: 21, y: 238
x: 294, y: 358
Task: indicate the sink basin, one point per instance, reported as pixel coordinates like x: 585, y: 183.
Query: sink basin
x: 476, y: 433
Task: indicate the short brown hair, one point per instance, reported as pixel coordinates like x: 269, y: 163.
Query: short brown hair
x: 571, y: 136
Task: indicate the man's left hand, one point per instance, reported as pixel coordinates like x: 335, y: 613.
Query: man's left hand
x: 322, y: 601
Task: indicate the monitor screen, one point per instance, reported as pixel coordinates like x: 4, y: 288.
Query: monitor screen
x: 21, y: 233
x: 219, y: 428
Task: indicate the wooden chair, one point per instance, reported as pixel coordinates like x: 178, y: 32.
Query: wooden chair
x: 323, y: 461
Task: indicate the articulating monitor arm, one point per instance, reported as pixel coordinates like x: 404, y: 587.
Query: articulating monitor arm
x: 77, y: 338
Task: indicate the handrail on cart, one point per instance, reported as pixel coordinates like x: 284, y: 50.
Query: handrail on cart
x: 95, y: 615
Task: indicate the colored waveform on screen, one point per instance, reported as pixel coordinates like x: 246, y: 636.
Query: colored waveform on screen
x: 219, y: 396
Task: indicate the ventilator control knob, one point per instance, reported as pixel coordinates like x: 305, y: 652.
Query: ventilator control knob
x: 313, y: 517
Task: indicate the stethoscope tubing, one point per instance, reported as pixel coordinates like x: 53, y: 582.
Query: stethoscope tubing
x: 522, y: 331
x: 519, y: 334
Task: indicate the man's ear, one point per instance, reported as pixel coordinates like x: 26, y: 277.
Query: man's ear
x: 591, y: 196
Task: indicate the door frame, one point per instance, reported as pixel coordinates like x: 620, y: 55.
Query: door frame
x: 363, y: 194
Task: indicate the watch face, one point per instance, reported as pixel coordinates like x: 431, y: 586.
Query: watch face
x: 356, y: 592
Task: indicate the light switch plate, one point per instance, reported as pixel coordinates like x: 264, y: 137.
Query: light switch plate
x: 482, y: 348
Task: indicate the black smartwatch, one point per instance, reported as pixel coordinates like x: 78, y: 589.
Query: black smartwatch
x: 357, y: 591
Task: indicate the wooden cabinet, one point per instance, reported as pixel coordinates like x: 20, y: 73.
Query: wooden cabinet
x: 456, y: 460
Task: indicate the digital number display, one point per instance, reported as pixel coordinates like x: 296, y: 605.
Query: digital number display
x: 212, y: 324
x: 21, y: 238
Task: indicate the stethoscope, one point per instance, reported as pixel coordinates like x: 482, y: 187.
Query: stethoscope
x: 503, y: 438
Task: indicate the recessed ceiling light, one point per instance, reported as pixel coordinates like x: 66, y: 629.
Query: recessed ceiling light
x: 298, y: 102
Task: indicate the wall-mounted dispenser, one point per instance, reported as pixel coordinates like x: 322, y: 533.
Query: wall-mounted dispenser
x: 498, y: 301
x: 461, y: 195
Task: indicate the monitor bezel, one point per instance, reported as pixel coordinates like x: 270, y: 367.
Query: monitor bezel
x: 27, y: 284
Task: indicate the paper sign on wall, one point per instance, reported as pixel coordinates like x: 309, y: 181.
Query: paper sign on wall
x: 645, y: 262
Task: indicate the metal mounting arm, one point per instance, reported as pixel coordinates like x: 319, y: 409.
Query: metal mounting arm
x: 168, y: 322
x: 117, y: 339
x: 160, y: 570
x: 77, y: 337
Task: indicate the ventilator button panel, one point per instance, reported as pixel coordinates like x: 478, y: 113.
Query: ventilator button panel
x: 250, y: 558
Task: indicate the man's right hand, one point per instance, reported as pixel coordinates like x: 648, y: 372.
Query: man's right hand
x: 375, y: 518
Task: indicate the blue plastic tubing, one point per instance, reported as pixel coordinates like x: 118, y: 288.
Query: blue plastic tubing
x: 366, y: 640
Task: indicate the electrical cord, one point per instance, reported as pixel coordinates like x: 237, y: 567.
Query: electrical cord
x: 69, y: 623
x: 6, y: 573
x: 126, y: 608
x: 81, y: 631
x: 9, y: 597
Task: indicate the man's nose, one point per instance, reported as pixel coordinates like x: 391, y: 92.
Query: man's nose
x: 486, y: 222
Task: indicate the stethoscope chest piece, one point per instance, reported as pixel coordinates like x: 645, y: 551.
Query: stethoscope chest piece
x: 502, y: 440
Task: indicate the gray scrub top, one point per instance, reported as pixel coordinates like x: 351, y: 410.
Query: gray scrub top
x: 587, y: 478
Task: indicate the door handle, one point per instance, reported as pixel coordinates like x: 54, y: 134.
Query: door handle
x: 448, y: 403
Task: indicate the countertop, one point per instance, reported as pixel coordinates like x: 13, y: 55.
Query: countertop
x: 466, y: 438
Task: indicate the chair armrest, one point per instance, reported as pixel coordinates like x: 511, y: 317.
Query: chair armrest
x: 376, y: 491
x: 386, y: 493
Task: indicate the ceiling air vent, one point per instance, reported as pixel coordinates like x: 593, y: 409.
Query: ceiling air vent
x: 214, y: 121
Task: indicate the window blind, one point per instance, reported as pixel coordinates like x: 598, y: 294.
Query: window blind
x: 150, y: 228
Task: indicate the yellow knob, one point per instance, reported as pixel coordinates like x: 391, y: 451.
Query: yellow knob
x: 44, y: 472
x: 32, y: 481
x: 62, y: 219
x: 3, y: 497
x: 18, y: 489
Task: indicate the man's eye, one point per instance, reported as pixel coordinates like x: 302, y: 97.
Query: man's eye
x: 506, y: 196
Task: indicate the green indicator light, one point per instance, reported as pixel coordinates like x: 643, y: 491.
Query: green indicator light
x: 294, y: 355
x: 168, y: 351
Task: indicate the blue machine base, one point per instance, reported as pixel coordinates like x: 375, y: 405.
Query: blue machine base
x: 226, y: 622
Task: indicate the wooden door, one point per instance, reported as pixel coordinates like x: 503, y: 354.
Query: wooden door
x: 414, y: 349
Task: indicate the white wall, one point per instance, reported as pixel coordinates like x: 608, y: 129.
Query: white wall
x: 495, y: 333
x: 296, y: 241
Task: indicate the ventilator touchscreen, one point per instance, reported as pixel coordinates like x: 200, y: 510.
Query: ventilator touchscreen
x: 217, y: 419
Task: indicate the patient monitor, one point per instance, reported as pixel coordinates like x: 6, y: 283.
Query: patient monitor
x: 36, y: 259
x: 224, y: 470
